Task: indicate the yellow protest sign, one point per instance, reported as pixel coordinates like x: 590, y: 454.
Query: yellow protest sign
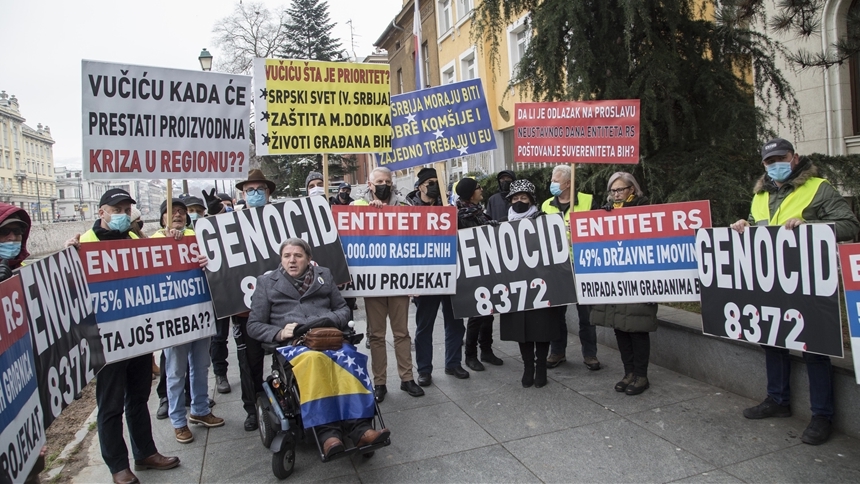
x: 321, y: 107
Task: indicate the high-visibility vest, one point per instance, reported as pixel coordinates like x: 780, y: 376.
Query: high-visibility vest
x: 160, y: 233
x: 584, y: 203
x: 791, y: 207
x: 90, y: 236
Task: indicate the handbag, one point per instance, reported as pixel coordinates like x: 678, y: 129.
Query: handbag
x: 321, y: 339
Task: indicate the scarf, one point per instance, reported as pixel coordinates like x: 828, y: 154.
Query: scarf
x: 531, y: 212
x: 301, y: 283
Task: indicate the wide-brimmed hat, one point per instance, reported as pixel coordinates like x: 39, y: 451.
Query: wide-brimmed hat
x: 257, y: 176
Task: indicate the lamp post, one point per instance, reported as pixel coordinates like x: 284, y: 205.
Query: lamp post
x: 205, y: 59
x: 38, y: 197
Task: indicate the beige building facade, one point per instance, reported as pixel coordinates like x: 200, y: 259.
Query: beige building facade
x: 26, y: 163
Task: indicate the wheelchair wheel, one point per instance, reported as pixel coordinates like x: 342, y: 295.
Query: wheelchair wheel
x: 284, y: 460
x: 368, y: 455
x: 267, y: 433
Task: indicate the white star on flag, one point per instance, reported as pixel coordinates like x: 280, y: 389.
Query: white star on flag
x: 360, y: 371
x: 464, y: 150
x: 438, y: 133
x: 367, y: 380
x: 339, y: 354
x: 410, y: 118
x: 350, y: 361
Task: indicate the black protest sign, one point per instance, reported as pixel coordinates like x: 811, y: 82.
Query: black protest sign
x: 244, y: 244
x: 515, y: 266
x: 63, y: 326
x: 772, y: 286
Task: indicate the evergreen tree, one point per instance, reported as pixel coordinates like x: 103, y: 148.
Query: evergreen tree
x: 309, y: 33
x: 701, y: 128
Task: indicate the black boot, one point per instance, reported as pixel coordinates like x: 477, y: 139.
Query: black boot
x: 541, y: 351
x: 527, y: 352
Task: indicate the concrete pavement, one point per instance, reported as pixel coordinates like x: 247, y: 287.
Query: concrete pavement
x: 490, y: 429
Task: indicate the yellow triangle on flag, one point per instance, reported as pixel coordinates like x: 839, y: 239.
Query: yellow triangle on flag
x: 319, y: 376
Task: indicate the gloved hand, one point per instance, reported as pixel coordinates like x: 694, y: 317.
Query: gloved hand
x: 609, y: 206
x: 213, y: 203
x: 494, y: 223
x: 5, y: 271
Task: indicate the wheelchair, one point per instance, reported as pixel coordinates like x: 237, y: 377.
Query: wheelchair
x: 280, y: 418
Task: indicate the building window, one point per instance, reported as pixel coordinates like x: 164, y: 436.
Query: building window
x: 444, y: 16
x: 448, y: 74
x: 399, y: 81
x: 468, y: 67
x: 425, y: 52
x: 519, y: 36
x: 463, y: 8
x: 854, y: 69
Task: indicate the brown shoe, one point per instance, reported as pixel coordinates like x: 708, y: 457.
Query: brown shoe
x: 208, y: 420
x: 372, y: 437
x: 184, y: 435
x: 157, y: 461
x: 591, y: 363
x: 332, y: 446
x: 125, y: 476
x: 554, y: 360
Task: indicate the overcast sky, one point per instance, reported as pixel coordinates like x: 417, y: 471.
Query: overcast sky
x: 44, y: 41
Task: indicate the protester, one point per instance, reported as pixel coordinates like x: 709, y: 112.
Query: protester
x: 227, y: 201
x: 342, y: 198
x: 498, y: 204
x: 196, y: 208
x: 14, y: 232
x: 479, y: 329
x: 258, y: 191
x: 189, y: 360
x: 790, y: 193
x: 124, y: 384
x: 559, y: 203
x: 428, y: 193
x: 314, y: 184
x: 289, y: 301
x: 534, y: 329
x: 380, y: 193
x: 137, y: 223
x: 632, y: 322
x: 218, y: 345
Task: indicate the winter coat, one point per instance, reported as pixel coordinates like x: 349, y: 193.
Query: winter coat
x: 470, y: 215
x: 827, y: 206
x: 497, y: 207
x: 7, y: 210
x: 276, y: 303
x: 393, y: 201
x: 414, y: 198
x: 632, y: 318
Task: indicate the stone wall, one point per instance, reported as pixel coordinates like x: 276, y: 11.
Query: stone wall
x: 45, y: 239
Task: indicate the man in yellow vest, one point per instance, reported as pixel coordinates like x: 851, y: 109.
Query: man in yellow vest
x: 124, y: 385
x: 559, y: 203
x: 790, y: 194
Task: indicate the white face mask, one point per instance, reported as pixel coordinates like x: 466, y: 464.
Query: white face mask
x: 316, y: 191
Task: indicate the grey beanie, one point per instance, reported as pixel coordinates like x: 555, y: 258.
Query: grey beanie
x: 314, y: 175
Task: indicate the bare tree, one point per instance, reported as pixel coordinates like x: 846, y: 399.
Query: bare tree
x: 252, y: 30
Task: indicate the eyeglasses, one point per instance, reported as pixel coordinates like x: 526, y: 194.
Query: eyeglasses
x: 616, y: 191
x: 4, y: 231
x: 255, y: 191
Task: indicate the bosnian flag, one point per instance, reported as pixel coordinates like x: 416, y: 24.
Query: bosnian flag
x: 416, y: 41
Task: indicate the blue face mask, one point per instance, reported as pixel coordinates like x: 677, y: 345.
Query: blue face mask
x: 779, y: 171
x: 119, y: 222
x: 228, y: 208
x: 193, y: 216
x: 255, y: 199
x: 555, y: 188
x: 9, y: 250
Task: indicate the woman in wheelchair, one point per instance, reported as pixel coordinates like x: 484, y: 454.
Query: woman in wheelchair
x: 287, y: 303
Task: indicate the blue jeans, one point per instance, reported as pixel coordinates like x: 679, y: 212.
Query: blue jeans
x: 192, y: 358
x: 587, y: 333
x: 778, y: 361
x: 425, y: 319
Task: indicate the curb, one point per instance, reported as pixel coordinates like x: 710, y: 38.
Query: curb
x: 79, y: 437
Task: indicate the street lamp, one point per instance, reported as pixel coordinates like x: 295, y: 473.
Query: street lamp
x: 205, y: 60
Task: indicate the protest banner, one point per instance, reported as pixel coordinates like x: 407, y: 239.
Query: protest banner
x: 849, y: 257
x: 21, y: 414
x: 438, y: 124
x: 309, y: 107
x: 515, y: 266
x: 244, y: 244
x: 643, y: 254
x: 577, y: 132
x: 143, y: 122
x: 760, y: 286
x: 396, y: 251
x: 63, y: 328
x: 147, y: 294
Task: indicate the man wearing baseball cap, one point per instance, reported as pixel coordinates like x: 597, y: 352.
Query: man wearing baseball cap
x: 790, y: 193
x: 123, y: 386
x: 343, y: 195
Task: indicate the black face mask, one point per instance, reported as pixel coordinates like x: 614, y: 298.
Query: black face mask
x: 433, y: 191
x: 504, y: 186
x: 343, y: 196
x: 382, y: 192
x: 520, y: 207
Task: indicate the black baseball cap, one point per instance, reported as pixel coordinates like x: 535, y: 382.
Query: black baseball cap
x: 115, y: 196
x: 776, y: 147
